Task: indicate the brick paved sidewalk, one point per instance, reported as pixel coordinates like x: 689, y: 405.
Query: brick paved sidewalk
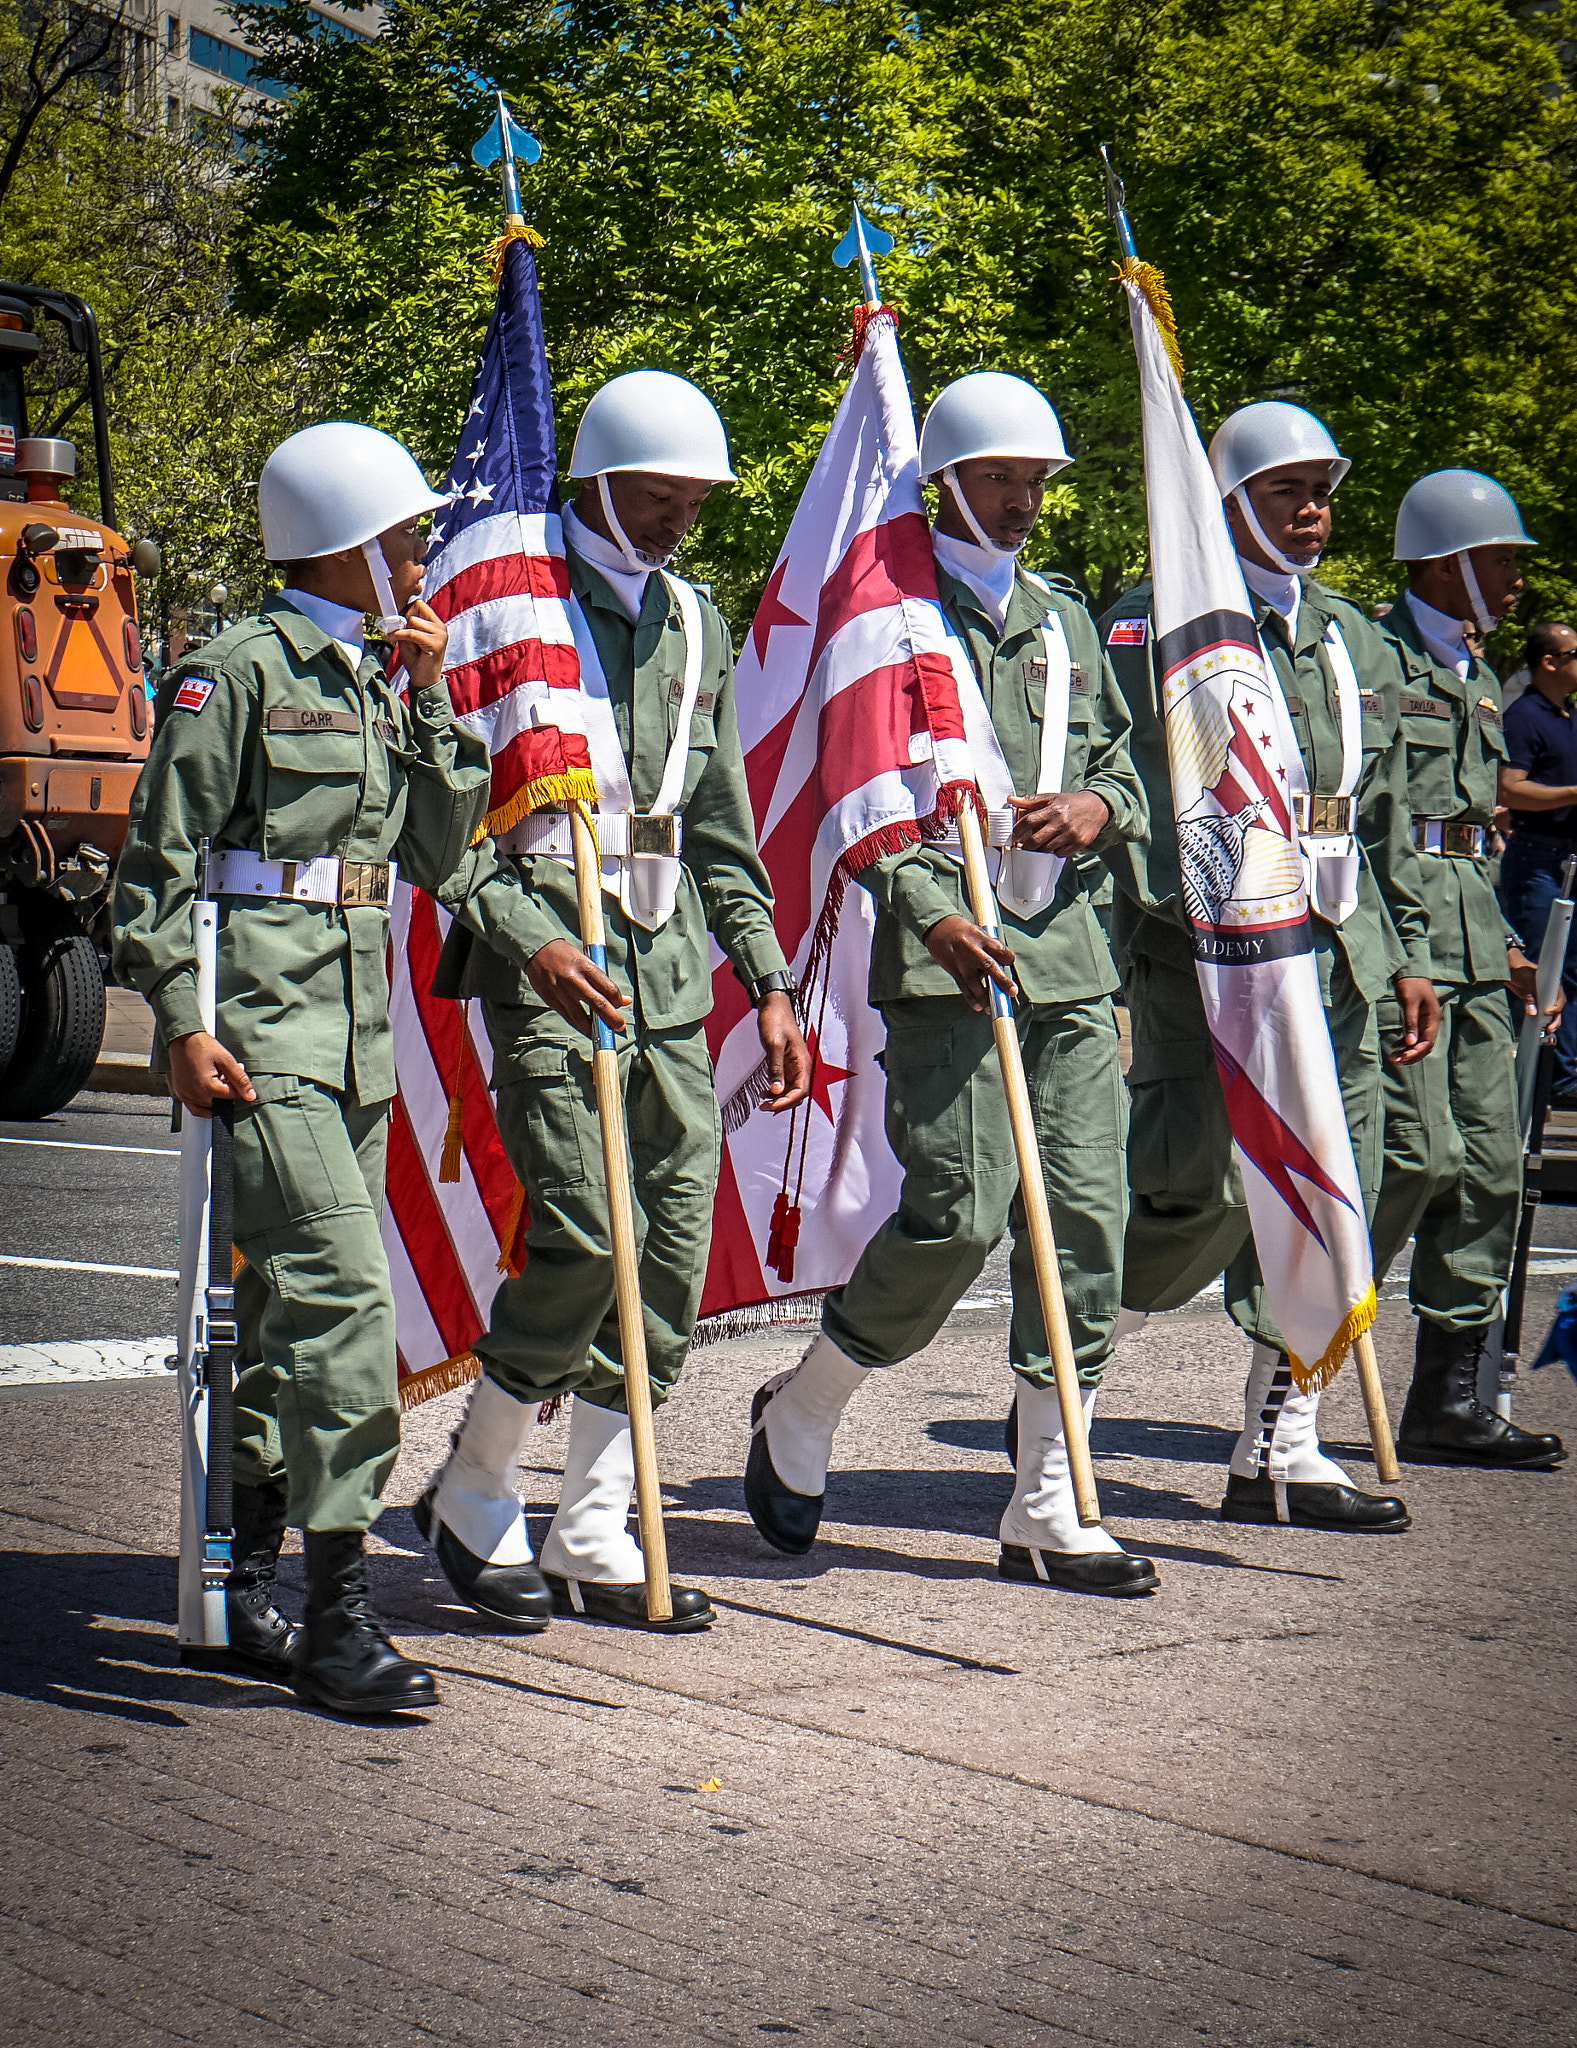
x: 1315, y: 1793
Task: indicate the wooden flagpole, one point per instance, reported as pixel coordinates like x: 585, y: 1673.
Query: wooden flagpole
x: 1032, y: 1184
x: 621, y: 1232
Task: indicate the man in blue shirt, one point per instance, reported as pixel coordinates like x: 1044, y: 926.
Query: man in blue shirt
x: 1539, y: 786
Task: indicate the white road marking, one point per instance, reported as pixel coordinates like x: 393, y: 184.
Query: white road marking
x: 71, y: 1145
x: 88, y: 1266
x: 51, y: 1364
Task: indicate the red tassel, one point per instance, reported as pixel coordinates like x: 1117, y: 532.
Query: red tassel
x: 788, y: 1243
x: 864, y: 316
x: 780, y: 1210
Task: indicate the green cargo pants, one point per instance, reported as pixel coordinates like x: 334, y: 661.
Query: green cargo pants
x: 1188, y: 1220
x: 947, y: 1122
x: 1453, y: 1159
x: 317, y: 1392
x: 554, y: 1328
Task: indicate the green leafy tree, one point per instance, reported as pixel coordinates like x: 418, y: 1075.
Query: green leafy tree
x: 1362, y: 207
x: 100, y: 198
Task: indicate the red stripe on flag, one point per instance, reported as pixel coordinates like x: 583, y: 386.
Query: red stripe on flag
x: 880, y: 566
x: 420, y: 1223
x: 501, y: 576
x: 734, y: 1273
x: 1247, y: 757
x: 443, y: 1026
x: 474, y: 685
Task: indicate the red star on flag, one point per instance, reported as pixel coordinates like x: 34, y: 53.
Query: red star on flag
x: 772, y: 612
x: 824, y: 1076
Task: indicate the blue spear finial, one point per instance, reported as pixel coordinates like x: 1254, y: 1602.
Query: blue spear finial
x: 504, y: 142
x: 860, y: 244
x: 1117, y: 206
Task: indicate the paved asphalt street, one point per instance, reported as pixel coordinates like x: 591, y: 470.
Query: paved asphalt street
x: 1316, y: 1793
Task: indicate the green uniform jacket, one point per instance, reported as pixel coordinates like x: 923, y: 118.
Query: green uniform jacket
x: 1451, y: 729
x: 303, y: 988
x: 1061, y: 955
x: 1388, y: 932
x: 518, y: 906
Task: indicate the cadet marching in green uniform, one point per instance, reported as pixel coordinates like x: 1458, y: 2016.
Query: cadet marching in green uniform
x: 283, y: 744
x: 553, y: 1330
x: 947, y: 1118
x: 1453, y: 1146
x: 1189, y: 1221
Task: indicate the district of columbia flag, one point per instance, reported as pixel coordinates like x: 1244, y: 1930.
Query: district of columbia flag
x: 1233, y: 760
x: 853, y: 725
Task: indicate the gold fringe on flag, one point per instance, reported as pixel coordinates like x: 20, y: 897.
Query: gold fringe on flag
x: 417, y: 1387
x: 1309, y: 1379
x: 493, y: 255
x: 449, y: 1162
x: 574, y: 786
x: 1151, y: 285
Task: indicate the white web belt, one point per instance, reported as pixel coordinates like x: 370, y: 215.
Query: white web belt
x: 324, y: 879
x: 999, y: 832
x: 619, y: 835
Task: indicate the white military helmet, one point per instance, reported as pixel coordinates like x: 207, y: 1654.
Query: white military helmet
x: 653, y: 421
x: 1270, y: 435
x: 337, y: 486
x: 1456, y: 509
x: 990, y: 413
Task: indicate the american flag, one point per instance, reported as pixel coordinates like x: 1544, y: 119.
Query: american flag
x: 497, y: 575
x: 853, y: 728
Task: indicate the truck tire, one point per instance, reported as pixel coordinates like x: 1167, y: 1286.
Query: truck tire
x: 62, y: 1024
x: 10, y: 1006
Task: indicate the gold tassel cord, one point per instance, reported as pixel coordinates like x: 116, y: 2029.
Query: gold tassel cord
x: 1151, y: 287
x: 1309, y: 1379
x: 509, y: 1260
x: 493, y: 255
x: 454, y: 1144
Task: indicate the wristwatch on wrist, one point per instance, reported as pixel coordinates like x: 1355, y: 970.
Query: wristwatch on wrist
x: 782, y: 983
x: 1514, y: 944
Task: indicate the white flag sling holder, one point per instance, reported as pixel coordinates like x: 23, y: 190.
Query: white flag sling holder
x: 206, y: 1334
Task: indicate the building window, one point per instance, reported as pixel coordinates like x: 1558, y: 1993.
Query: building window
x: 172, y: 32
x: 226, y: 60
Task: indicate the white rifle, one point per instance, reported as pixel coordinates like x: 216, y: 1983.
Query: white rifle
x: 206, y: 1334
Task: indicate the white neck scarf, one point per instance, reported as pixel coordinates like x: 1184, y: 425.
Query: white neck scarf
x: 1442, y: 635
x: 346, y: 628
x: 988, y: 574
x: 627, y: 584
x: 1282, y: 592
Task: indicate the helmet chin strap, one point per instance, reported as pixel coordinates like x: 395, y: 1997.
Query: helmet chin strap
x: 1487, y: 621
x: 390, y: 615
x: 640, y: 564
x: 1284, y: 563
x: 993, y: 547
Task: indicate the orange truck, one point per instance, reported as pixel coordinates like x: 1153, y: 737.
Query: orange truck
x: 74, y: 718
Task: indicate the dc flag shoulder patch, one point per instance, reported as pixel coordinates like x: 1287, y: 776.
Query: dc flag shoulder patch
x: 1128, y: 633
x: 194, y: 693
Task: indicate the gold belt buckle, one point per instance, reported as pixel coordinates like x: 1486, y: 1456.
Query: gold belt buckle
x: 656, y: 833
x: 1462, y: 842
x: 364, y: 882
x: 1323, y: 817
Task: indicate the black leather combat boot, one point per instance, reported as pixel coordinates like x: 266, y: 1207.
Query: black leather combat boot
x: 345, y: 1661
x: 262, y: 1640
x: 1445, y: 1423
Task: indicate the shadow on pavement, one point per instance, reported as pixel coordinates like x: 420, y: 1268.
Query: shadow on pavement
x: 1183, y: 1443
x: 93, y: 1632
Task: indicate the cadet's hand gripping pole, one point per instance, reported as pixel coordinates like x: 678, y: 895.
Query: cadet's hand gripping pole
x: 1552, y: 960
x: 1032, y: 1185
x: 206, y: 1332
x: 621, y: 1231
